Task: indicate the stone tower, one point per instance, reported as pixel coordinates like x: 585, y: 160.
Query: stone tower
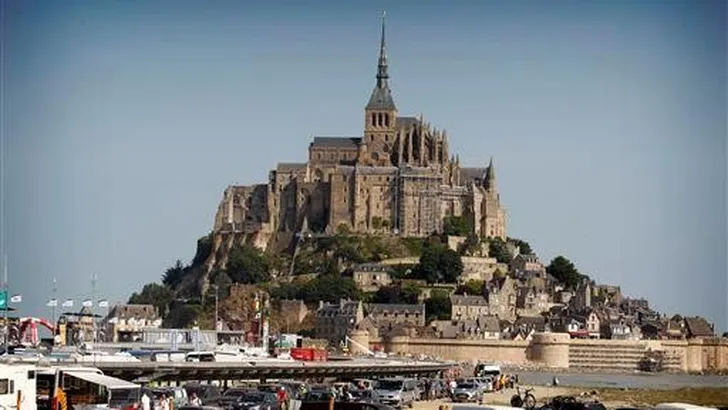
x: 492, y: 219
x: 380, y: 115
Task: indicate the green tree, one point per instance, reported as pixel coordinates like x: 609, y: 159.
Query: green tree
x: 498, y: 249
x: 471, y: 287
x: 154, y: 294
x: 396, y: 294
x: 525, y: 247
x: 246, y: 264
x: 456, y: 226
x: 438, y: 306
x: 174, y: 274
x: 565, y: 272
x: 439, y: 264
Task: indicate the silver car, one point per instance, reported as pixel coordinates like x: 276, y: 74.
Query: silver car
x: 467, y: 392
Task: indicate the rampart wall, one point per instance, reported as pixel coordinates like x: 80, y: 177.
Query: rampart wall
x: 557, y: 350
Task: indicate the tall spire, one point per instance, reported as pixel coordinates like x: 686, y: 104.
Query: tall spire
x: 381, y: 98
x: 382, y: 75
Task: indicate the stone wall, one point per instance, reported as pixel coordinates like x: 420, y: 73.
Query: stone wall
x: 557, y: 350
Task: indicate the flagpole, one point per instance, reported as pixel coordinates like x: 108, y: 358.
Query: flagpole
x: 7, y: 302
x: 93, y: 307
x: 53, y: 307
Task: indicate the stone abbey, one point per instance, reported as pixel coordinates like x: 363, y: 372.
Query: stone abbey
x: 399, y: 177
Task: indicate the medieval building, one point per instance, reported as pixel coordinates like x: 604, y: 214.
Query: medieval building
x: 398, y: 177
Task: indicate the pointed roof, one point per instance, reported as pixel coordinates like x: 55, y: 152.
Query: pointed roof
x: 381, y: 98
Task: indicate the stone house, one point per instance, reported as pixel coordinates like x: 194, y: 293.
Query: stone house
x: 482, y: 327
x: 593, y: 324
x: 531, y: 302
x: 335, y: 321
x: 528, y: 263
x: 468, y: 307
x: 524, y: 327
x: 607, y: 295
x: 501, y: 297
x: 127, y: 322
x: 698, y: 327
x: 477, y: 268
x: 370, y: 277
x: 395, y: 315
x: 619, y: 329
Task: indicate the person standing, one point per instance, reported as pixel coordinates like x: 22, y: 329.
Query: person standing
x: 195, y: 401
x: 146, y: 402
x: 282, y: 398
x: 163, y: 402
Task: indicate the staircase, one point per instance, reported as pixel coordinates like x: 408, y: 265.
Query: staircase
x: 608, y: 357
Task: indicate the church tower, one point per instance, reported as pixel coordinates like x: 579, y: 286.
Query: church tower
x: 380, y: 114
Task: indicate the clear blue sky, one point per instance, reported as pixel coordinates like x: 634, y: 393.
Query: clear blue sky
x: 123, y: 122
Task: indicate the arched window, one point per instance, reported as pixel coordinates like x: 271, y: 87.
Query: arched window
x: 374, y: 119
x: 386, y: 120
x: 379, y: 119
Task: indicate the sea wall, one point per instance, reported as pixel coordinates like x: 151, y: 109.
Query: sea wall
x: 558, y: 351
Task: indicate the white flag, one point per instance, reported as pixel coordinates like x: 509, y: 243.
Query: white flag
x: 17, y: 298
x: 52, y: 303
x: 87, y: 303
x: 68, y: 303
x: 103, y: 303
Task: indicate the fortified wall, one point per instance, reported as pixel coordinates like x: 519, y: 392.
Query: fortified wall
x: 559, y: 351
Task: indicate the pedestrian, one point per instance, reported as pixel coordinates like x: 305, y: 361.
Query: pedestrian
x: 282, y: 398
x: 163, y: 402
x: 195, y: 401
x: 146, y: 402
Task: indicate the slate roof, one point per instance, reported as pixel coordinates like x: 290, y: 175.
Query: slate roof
x: 347, y: 308
x: 377, y: 308
x: 381, y: 99
x: 133, y: 311
x: 284, y: 166
x: 336, y: 142
x: 467, y: 300
x: 470, y: 174
x: 406, y: 122
x: 531, y: 322
x: 698, y: 327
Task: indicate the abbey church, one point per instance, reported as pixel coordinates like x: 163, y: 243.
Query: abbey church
x: 399, y: 177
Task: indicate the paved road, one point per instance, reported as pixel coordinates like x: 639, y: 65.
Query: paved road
x: 632, y: 381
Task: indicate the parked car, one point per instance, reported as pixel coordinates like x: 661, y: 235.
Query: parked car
x: 469, y: 391
x: 256, y: 400
x: 231, y: 396
x: 365, y: 396
x: 397, y: 392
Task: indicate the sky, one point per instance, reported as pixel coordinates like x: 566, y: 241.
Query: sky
x: 123, y: 122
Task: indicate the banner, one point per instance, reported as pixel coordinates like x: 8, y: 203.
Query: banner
x: 87, y: 303
x: 17, y: 298
x: 103, y: 303
x: 68, y: 303
x: 52, y: 303
x: 3, y: 299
